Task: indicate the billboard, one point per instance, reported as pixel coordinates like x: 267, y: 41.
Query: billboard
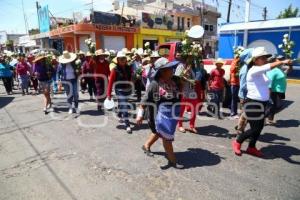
x: 157, y: 21
x: 44, y: 20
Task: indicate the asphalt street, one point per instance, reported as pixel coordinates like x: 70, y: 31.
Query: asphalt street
x: 90, y: 157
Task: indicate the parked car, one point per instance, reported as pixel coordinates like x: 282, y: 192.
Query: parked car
x: 169, y: 49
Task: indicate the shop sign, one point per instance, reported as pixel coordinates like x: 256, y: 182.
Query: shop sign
x: 113, y: 28
x: 59, y: 31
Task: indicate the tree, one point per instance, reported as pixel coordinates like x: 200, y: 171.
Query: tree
x: 289, y: 12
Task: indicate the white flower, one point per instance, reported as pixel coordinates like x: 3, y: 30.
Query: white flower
x: 289, y: 46
x: 194, y: 43
x: 147, y: 44
x: 184, y: 42
x: 280, y: 46
x: 78, y: 62
x: 292, y: 43
x: 284, y: 41
x: 286, y: 35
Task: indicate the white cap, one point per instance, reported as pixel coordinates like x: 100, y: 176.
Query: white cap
x: 260, y: 51
x: 121, y: 54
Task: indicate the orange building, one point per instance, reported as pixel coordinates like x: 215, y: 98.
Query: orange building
x: 105, y: 36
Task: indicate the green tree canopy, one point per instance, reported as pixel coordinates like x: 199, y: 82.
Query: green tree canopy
x: 289, y: 12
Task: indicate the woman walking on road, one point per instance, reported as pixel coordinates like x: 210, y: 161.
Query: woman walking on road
x: 23, y: 73
x: 163, y: 95
x: 257, y: 96
x: 88, y: 68
x: 43, y: 72
x: 6, y: 75
x: 121, y: 78
x: 101, y: 75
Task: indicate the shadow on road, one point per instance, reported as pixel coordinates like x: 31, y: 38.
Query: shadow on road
x: 281, y: 151
x: 271, y: 138
x: 195, y: 157
x: 214, y: 131
x: 287, y: 123
x: 4, y: 101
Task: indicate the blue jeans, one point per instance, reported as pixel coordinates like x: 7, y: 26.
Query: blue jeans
x: 24, y: 82
x: 216, y: 99
x: 71, y: 87
x: 123, y: 105
x: 54, y: 83
x: 234, y: 99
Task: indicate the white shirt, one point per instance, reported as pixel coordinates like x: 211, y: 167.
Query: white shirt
x: 258, y: 83
x: 70, y: 72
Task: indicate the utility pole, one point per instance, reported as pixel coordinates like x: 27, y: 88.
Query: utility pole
x: 37, y: 12
x: 25, y: 20
x: 265, y: 13
x: 228, y: 12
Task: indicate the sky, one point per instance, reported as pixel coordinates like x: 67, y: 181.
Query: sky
x: 12, y: 18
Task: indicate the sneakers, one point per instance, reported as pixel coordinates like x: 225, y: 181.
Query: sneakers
x: 128, y: 130
x: 254, y: 151
x: 236, y: 148
x: 70, y: 111
x: 77, y: 111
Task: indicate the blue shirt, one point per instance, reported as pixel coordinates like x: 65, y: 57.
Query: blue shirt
x: 244, y: 58
x: 5, y: 70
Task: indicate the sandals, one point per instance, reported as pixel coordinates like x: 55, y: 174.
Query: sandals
x: 193, y: 130
x: 181, y: 129
x: 147, y: 151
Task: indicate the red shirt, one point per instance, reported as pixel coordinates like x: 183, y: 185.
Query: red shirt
x: 88, y: 67
x: 216, y: 80
x: 112, y: 80
x: 102, y: 68
x: 234, y: 77
x: 22, y: 68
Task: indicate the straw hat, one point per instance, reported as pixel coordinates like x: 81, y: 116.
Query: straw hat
x: 163, y: 63
x: 67, y: 57
x: 81, y: 53
x: 38, y: 58
x: 154, y: 54
x: 126, y: 51
x: 100, y: 52
x: 121, y: 54
x: 88, y: 54
x: 219, y: 61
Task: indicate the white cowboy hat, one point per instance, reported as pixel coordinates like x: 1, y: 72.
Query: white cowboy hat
x: 100, y: 52
x: 154, y: 54
x: 126, y: 51
x: 88, y: 54
x: 219, y: 61
x: 260, y: 51
x: 67, y: 57
x: 139, y: 52
x: 121, y: 54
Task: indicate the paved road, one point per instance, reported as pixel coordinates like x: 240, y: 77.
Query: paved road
x: 56, y: 156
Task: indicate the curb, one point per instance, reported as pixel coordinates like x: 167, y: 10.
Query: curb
x: 293, y: 81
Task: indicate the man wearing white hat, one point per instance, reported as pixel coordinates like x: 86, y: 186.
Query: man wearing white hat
x: 216, y: 87
x: 121, y: 78
x: 257, y: 96
x: 69, y: 75
x: 149, y: 69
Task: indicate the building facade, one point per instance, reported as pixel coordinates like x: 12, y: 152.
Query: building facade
x: 260, y: 33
